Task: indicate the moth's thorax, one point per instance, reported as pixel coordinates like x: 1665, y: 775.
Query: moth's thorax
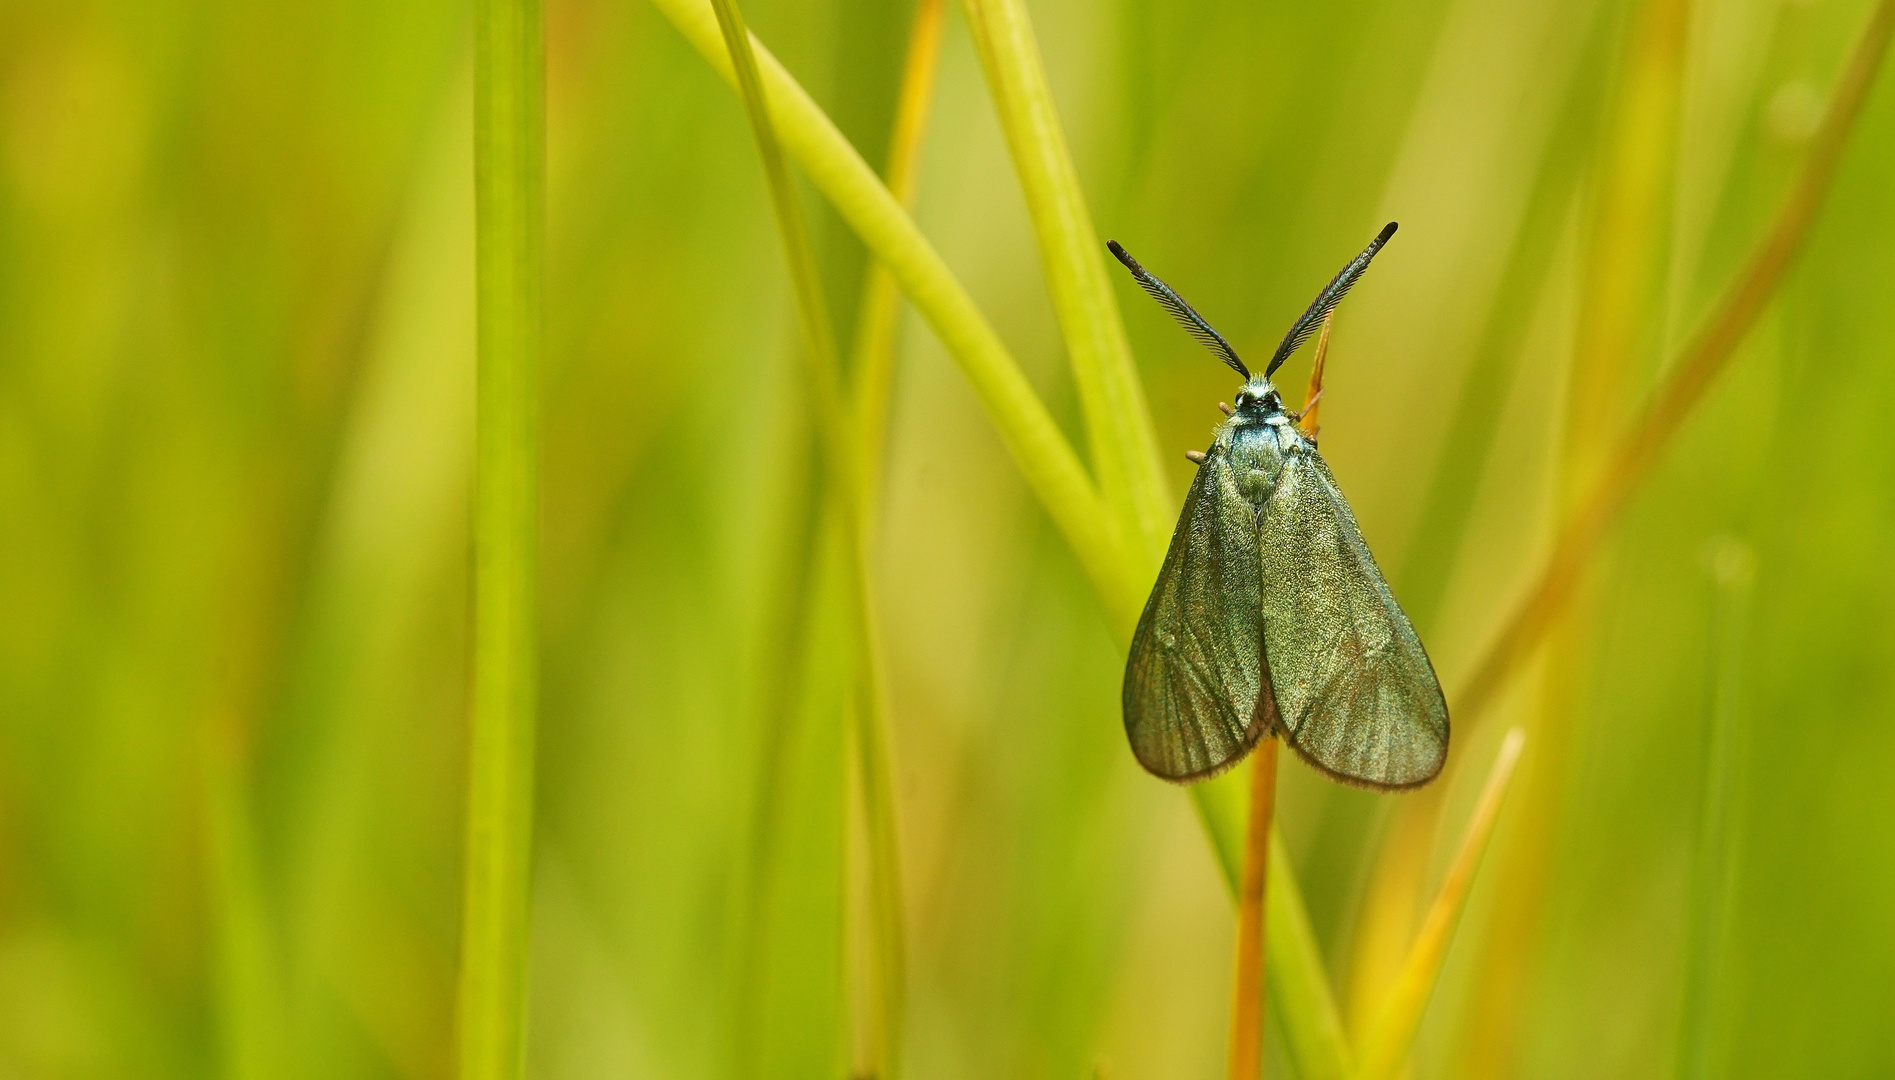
x: 1256, y: 441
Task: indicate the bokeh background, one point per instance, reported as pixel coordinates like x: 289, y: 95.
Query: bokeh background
x: 235, y: 448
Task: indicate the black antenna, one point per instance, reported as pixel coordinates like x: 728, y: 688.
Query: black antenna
x: 1183, y: 312
x: 1327, y: 300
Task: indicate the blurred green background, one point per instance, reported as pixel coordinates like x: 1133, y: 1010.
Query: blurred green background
x: 235, y: 448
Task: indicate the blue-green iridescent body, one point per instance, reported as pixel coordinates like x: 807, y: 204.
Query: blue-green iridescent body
x: 1270, y: 615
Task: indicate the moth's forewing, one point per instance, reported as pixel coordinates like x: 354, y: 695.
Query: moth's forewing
x: 1196, y: 688
x: 1357, y: 695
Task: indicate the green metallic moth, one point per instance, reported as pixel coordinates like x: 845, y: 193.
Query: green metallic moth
x: 1270, y: 616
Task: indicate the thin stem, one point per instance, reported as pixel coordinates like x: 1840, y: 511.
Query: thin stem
x: 1734, y: 569
x: 1247, y: 1002
x: 842, y: 456
x: 1388, y: 1043
x: 1045, y: 459
x: 873, y: 359
x: 509, y: 212
x: 1047, y: 463
x: 1633, y: 456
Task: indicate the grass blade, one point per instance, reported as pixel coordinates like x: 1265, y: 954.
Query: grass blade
x: 873, y: 355
x: 1299, y: 992
x: 509, y: 214
x: 1691, y: 376
x: 1246, y: 1020
x: 1446, y: 510
x: 1122, y: 442
x: 1734, y: 571
x: 1045, y: 458
x: 1386, y: 1047
x: 836, y: 426
x: 249, y: 1007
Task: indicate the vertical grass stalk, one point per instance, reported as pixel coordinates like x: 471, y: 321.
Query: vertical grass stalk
x: 509, y: 212
x: 252, y: 1023
x: 1121, y: 439
x: 873, y: 354
x: 1733, y: 569
x: 1246, y: 1018
x: 1039, y: 449
x: 836, y: 427
x: 1047, y: 463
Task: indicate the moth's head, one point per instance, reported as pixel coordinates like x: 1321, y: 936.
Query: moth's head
x: 1259, y: 398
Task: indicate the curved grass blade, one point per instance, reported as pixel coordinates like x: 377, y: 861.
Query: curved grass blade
x: 1045, y: 459
x: 1387, y: 1044
x: 1691, y: 376
x: 1051, y: 470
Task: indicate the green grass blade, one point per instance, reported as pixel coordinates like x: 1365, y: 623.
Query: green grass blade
x: 1048, y: 462
x: 837, y: 432
x: 1734, y: 569
x: 509, y: 213
x: 1123, y: 444
x: 873, y: 355
x: 1041, y: 451
x: 1387, y: 1044
x: 1446, y: 511
x: 1299, y: 992
x: 1692, y: 374
x: 252, y: 1025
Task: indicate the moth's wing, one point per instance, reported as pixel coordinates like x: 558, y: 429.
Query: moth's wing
x: 1357, y: 695
x: 1196, y: 688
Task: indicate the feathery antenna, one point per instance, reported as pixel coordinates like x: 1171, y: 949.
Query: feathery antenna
x: 1327, y: 300
x: 1185, y: 313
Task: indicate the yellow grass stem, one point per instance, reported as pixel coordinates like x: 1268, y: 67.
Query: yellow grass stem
x: 1387, y: 1044
x: 873, y: 355
x: 509, y: 211
x: 1121, y: 439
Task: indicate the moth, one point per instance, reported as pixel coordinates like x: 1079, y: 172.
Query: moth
x: 1270, y: 616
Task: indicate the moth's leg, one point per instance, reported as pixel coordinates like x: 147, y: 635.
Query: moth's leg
x: 1308, y: 406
